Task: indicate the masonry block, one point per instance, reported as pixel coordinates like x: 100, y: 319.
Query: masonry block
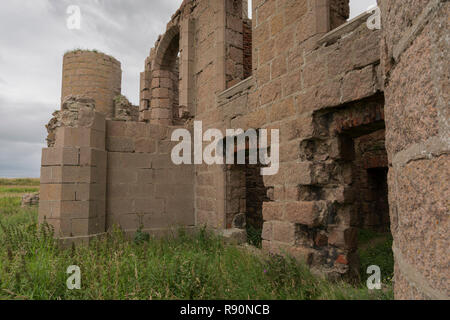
x: 309, y: 213
x: 80, y: 137
x: 60, y: 156
x: 120, y: 144
x: 283, y: 232
x: 273, y: 211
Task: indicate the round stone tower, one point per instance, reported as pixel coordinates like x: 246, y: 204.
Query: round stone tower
x: 92, y: 74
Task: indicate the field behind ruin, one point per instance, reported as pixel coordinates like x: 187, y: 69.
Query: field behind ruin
x: 199, y: 266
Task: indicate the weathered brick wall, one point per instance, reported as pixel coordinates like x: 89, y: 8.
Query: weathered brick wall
x: 92, y: 74
x: 144, y: 188
x: 415, y: 48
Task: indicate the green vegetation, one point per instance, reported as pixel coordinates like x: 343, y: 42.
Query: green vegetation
x: 254, y: 236
x: 10, y: 206
x: 18, y: 189
x: 78, y: 50
x: 19, y: 182
x: 198, y: 266
x: 376, y: 249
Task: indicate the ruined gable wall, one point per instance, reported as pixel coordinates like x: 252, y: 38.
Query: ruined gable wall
x: 414, y: 57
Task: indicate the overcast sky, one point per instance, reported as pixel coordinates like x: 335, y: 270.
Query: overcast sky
x: 33, y: 39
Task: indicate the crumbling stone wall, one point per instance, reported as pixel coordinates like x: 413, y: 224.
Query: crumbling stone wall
x: 124, y: 110
x: 71, y: 109
x: 30, y: 199
x: 415, y: 47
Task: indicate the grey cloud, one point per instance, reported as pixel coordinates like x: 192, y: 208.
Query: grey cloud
x: 24, y: 163
x: 23, y: 122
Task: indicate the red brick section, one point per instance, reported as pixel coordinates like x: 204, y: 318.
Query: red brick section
x: 247, y: 34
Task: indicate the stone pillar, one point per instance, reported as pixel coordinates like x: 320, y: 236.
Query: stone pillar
x: 94, y: 75
x: 415, y: 50
x: 220, y: 36
x: 145, y: 94
x: 187, y: 66
x: 73, y: 179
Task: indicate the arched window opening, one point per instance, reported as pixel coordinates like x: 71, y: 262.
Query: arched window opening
x: 171, y: 64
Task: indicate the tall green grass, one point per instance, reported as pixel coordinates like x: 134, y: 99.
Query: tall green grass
x: 376, y: 249
x: 196, y: 266
x: 185, y: 266
x: 17, y: 189
x: 19, y: 182
x: 10, y: 206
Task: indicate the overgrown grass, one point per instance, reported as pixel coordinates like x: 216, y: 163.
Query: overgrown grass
x: 376, y: 249
x: 18, y: 189
x: 9, y: 206
x: 254, y: 236
x: 185, y: 266
x: 19, y: 182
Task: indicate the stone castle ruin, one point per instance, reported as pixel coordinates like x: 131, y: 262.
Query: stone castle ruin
x: 364, y: 134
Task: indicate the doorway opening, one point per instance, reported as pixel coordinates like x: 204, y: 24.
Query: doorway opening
x: 371, y: 205
x: 245, y: 195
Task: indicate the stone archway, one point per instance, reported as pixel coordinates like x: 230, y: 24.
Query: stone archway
x: 164, y: 102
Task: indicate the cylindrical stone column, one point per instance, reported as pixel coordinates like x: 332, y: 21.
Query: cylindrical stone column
x: 92, y: 74
x: 414, y: 59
